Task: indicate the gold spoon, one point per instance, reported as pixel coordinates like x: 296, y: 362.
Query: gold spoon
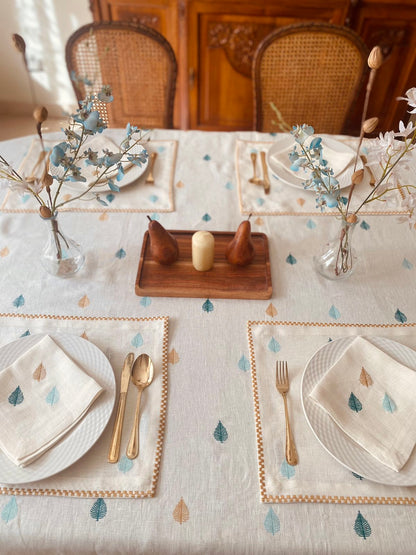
x: 256, y: 180
x: 142, y: 376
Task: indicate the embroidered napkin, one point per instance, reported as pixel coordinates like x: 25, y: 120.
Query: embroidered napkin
x: 372, y: 398
x: 338, y: 160
x: 43, y: 394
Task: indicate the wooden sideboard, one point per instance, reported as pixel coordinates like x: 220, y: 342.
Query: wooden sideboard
x: 214, y: 42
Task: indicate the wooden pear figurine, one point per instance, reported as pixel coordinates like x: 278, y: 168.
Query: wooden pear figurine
x: 163, y: 245
x: 240, y: 250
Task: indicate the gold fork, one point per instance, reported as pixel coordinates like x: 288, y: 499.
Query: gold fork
x: 282, y: 385
x: 150, y: 179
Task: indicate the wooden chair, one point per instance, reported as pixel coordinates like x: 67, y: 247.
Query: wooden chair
x: 312, y: 72
x: 138, y: 63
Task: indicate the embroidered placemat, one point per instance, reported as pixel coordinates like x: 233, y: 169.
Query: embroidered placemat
x: 318, y: 478
x: 92, y: 475
x: 134, y: 197
x: 284, y: 199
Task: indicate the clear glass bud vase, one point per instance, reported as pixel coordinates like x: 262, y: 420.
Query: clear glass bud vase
x: 337, y: 258
x: 61, y: 256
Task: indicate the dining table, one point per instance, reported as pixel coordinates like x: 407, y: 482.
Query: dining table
x: 211, y: 475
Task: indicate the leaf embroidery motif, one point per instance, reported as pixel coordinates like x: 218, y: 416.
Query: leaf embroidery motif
x: 207, y: 306
x: 365, y: 378
x: 125, y: 464
x: 39, y: 373
x: 173, y: 357
x: 274, y: 345
x: 16, y: 397
x: 84, y: 335
x: 272, y: 522
x: 271, y: 310
x: 220, y: 432
x: 400, y: 316
x: 287, y: 470
x: 354, y: 403
x: 361, y: 527
x: 4, y: 252
x: 98, y: 510
x: 259, y: 221
x: 388, y: 404
x: 9, y: 510
x: 137, y: 340
x: 19, y: 301
x: 244, y: 363
x: 84, y: 302
x: 181, y: 512
x: 52, y: 397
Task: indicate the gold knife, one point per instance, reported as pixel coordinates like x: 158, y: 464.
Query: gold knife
x: 266, y: 180
x: 114, y: 452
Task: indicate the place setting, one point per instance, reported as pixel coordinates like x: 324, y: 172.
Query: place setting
x: 81, y: 419
x: 347, y: 434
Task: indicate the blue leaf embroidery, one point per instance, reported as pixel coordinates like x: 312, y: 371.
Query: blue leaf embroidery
x: 161, y: 149
x: 145, y: 301
x: 52, y: 397
x: 110, y: 197
x: 153, y: 198
x: 407, y: 264
x: 272, y: 522
x: 287, y: 470
x: 207, y: 306
x: 291, y: 259
x: 125, y: 464
x: 9, y: 510
x: 155, y: 216
x: 310, y: 224
x: 364, y: 225
x: 229, y: 186
x: 27, y: 332
x: 361, y: 527
x: 220, y: 432
x: 354, y: 403
x: 16, y: 397
x: 19, y: 301
x: 206, y: 217
x: 137, y: 340
x: 244, y: 364
x: 260, y: 201
x: 334, y: 312
x: 24, y: 198
x: 98, y: 510
x: 207, y: 157
x: 388, y: 404
x: 121, y: 253
x: 400, y: 316
x: 274, y: 345
x: 357, y: 476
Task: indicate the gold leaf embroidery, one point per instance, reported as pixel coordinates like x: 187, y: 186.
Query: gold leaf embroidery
x: 103, y: 217
x: 84, y: 335
x: 181, y: 512
x: 67, y: 197
x: 84, y: 302
x: 180, y: 184
x: 365, y: 378
x: 4, y: 252
x: 271, y: 310
x: 39, y: 373
x: 173, y: 357
x: 300, y: 201
x: 258, y: 221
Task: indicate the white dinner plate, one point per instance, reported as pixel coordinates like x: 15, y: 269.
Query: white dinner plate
x: 83, y: 436
x: 331, y: 437
x: 285, y: 175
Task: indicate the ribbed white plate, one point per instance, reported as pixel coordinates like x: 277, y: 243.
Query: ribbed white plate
x: 287, y: 177
x: 83, y: 436
x: 332, y: 438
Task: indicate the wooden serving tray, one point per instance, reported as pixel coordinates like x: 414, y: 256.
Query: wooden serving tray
x: 223, y: 281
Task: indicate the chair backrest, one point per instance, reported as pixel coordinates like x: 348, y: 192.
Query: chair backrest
x: 312, y: 72
x: 136, y: 61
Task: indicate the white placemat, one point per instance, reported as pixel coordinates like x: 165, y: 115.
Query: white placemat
x: 318, y: 478
x: 92, y: 475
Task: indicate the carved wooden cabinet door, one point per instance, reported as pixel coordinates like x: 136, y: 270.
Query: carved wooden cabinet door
x: 392, y: 26
x: 222, y: 38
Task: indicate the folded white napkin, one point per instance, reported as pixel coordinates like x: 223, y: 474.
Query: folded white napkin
x: 338, y: 160
x: 372, y: 398
x: 43, y: 394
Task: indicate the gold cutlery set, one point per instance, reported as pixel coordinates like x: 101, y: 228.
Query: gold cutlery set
x: 140, y: 372
x: 256, y: 180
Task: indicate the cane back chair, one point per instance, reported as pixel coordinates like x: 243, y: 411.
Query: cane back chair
x: 312, y: 72
x: 136, y: 61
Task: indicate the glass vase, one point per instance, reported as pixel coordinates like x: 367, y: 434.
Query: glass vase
x: 337, y: 258
x: 61, y: 256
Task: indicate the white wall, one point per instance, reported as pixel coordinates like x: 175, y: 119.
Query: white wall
x: 45, y: 25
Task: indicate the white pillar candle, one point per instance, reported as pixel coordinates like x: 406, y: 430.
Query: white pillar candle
x: 202, y: 250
